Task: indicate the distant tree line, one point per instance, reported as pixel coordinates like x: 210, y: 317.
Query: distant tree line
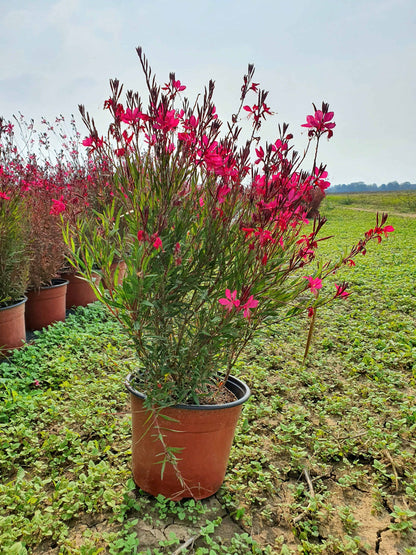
x: 361, y: 187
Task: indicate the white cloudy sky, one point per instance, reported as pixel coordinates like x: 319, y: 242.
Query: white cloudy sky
x: 358, y: 55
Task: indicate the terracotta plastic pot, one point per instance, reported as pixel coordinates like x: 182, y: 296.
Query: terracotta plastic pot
x: 121, y: 268
x: 80, y: 292
x: 12, y: 326
x: 203, y: 433
x: 46, y: 306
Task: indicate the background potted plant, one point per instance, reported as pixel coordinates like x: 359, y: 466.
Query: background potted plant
x: 14, y: 259
x: 46, y: 290
x: 88, y: 191
x: 217, y: 247
x: 36, y: 178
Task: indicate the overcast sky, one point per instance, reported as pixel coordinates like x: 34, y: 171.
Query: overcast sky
x: 358, y: 55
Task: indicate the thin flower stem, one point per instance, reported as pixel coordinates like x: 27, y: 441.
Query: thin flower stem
x: 310, y: 334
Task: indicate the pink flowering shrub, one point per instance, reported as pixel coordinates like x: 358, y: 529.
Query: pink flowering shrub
x: 53, y: 187
x: 218, y: 246
x: 14, y: 259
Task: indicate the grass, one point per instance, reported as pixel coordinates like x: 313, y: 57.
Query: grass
x: 324, y: 456
x: 393, y: 201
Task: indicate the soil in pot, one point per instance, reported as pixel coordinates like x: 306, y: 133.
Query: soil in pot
x: 194, y: 441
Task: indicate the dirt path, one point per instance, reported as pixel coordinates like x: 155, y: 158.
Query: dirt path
x: 400, y: 214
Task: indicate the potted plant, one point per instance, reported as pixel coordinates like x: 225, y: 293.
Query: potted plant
x: 14, y: 258
x: 46, y: 290
x: 78, y: 203
x: 14, y: 265
x: 217, y: 248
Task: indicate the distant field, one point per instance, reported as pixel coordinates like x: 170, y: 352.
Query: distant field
x: 394, y: 201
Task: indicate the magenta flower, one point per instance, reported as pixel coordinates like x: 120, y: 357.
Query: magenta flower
x: 230, y: 301
x: 260, y: 155
x: 157, y: 244
x: 341, y: 291
x: 166, y: 120
x: 251, y: 303
x: 173, y: 87
x: 314, y: 284
x: 387, y: 229
x: 58, y: 206
x: 320, y: 122
x: 178, y: 86
x: 94, y: 142
x: 88, y: 141
x: 131, y: 116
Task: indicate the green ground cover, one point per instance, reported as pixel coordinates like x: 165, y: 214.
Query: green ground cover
x: 324, y: 457
x: 393, y: 201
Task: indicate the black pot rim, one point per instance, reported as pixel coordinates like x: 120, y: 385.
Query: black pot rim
x: 56, y: 282
x: 236, y: 385
x: 14, y: 303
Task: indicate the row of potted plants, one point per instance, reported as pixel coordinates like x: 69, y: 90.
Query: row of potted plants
x: 35, y: 269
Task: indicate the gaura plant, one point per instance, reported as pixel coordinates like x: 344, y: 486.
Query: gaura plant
x: 215, y: 234
x: 14, y: 229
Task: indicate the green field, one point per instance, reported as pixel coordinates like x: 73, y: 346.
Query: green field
x: 393, y: 201
x: 324, y: 460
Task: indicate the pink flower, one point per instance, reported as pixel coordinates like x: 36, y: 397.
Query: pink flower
x: 177, y: 85
x: 131, y: 116
x: 157, y: 244
x: 386, y: 229
x: 4, y: 196
x: 248, y: 231
x: 150, y: 140
x: 341, y: 291
x: 320, y: 122
x: 88, y: 141
x: 58, y: 206
x: 251, y: 303
x: 230, y: 301
x: 93, y: 142
x: 314, y: 284
x: 260, y: 155
x: 173, y: 87
x: 140, y: 235
x: 222, y: 192
x: 166, y: 120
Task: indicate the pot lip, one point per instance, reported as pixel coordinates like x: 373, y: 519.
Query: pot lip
x: 232, y: 380
x: 56, y: 282
x: 71, y: 275
x: 12, y: 304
